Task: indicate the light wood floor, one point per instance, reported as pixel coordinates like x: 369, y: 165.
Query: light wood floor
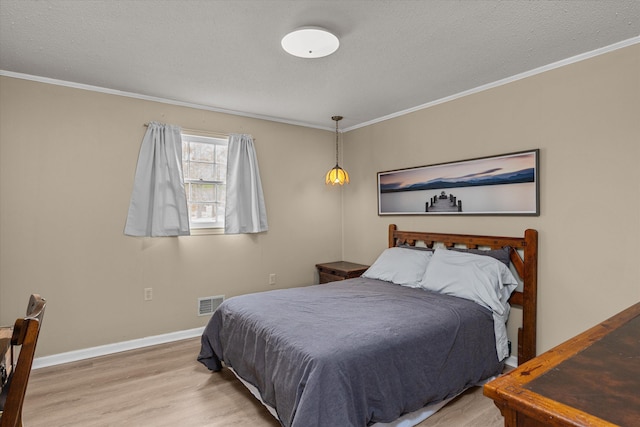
x: 165, y: 386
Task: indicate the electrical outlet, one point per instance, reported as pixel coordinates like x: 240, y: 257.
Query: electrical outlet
x: 148, y: 294
x: 272, y: 278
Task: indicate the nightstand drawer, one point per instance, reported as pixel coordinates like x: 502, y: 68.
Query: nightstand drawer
x: 339, y: 270
x: 326, y: 277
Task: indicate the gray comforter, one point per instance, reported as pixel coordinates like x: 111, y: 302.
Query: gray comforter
x: 351, y: 353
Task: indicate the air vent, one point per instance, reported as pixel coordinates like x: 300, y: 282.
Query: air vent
x: 208, y: 305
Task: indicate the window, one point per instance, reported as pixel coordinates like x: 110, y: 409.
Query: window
x: 204, y: 165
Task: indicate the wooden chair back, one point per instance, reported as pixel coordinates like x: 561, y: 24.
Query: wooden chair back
x: 35, y: 308
x: 25, y: 335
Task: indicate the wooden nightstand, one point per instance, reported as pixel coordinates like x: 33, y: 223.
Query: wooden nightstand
x: 339, y: 270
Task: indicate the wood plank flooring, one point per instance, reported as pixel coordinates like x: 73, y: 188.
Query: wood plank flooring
x: 165, y: 386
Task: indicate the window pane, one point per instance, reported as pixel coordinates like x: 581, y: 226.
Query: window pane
x: 185, y: 150
x: 221, y: 154
x: 206, y: 214
x: 202, y: 193
x: 204, y: 171
x: 221, y: 173
x: 202, y: 212
x: 221, y: 193
x: 218, y: 217
x: 202, y: 152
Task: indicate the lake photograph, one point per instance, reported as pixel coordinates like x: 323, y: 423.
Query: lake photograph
x: 506, y: 184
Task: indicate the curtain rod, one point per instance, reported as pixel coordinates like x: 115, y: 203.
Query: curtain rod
x: 205, y: 132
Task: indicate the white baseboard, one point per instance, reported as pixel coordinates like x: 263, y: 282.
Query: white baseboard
x: 103, y: 350
x: 512, y: 361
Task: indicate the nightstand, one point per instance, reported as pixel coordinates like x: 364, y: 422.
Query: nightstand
x: 339, y: 270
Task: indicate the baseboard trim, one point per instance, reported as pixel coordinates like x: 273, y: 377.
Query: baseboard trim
x: 103, y: 350
x: 512, y: 361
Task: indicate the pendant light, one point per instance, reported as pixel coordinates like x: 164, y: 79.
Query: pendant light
x: 337, y: 175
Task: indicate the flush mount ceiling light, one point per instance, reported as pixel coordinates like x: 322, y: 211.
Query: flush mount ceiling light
x: 310, y: 42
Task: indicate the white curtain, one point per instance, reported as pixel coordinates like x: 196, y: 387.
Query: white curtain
x: 244, y: 209
x: 158, y: 204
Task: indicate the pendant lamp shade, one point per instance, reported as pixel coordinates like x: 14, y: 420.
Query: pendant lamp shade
x: 337, y: 175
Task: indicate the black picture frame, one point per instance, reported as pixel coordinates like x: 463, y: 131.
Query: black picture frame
x: 505, y: 184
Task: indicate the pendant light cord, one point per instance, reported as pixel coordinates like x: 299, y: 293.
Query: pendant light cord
x: 337, y: 142
x: 337, y: 119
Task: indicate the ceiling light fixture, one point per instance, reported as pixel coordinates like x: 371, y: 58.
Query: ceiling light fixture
x: 310, y: 42
x: 337, y: 175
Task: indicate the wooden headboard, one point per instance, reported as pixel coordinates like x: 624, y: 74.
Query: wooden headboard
x: 526, y: 267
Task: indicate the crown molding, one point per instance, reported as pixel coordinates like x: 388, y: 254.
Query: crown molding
x: 524, y: 75
x: 535, y: 71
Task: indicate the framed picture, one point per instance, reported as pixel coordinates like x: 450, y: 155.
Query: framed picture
x: 507, y: 184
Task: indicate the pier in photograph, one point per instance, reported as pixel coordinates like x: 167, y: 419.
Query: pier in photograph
x: 443, y: 203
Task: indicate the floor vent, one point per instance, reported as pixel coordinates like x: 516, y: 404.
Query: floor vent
x: 208, y: 305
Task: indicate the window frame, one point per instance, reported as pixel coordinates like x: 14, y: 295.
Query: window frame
x: 202, y: 227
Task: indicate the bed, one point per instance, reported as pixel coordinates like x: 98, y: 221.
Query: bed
x: 409, y: 335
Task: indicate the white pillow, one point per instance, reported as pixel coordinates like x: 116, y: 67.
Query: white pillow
x: 401, y: 266
x: 478, y: 278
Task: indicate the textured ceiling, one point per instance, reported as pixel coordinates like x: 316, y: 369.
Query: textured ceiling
x: 225, y: 55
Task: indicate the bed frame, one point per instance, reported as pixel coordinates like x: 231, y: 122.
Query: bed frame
x: 526, y: 267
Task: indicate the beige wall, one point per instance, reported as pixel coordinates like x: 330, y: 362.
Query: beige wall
x: 68, y: 158
x: 585, y: 118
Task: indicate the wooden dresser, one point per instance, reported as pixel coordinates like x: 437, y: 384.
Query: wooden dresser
x: 339, y: 270
x: 591, y: 380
